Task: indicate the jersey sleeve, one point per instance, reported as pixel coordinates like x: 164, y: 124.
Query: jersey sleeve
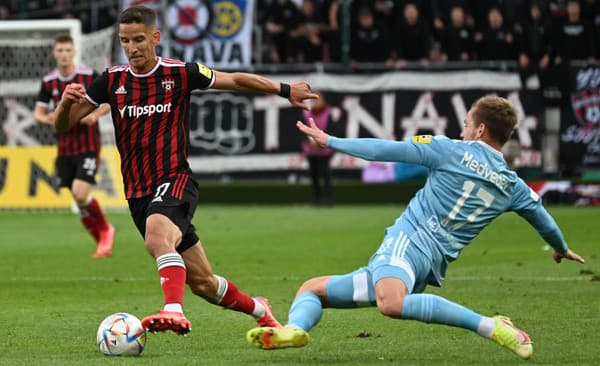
x: 97, y: 91
x: 528, y: 205
x: 200, y: 76
x: 44, y: 96
x: 423, y: 150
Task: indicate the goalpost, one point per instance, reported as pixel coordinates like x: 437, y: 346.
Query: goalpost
x: 27, y: 149
x: 25, y: 52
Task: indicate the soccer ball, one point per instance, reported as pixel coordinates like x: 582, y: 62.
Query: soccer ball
x: 121, y: 334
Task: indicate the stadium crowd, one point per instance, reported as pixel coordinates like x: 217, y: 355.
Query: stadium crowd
x: 401, y: 31
x: 94, y: 14
x: 393, y: 33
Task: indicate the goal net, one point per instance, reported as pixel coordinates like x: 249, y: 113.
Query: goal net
x: 27, y: 149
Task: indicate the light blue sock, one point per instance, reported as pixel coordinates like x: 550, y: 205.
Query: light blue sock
x: 306, y: 311
x: 435, y: 309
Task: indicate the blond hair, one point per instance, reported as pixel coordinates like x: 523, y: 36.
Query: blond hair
x: 498, y: 116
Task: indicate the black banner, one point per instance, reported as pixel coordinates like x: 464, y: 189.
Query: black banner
x: 241, y: 132
x: 247, y: 126
x: 580, y: 122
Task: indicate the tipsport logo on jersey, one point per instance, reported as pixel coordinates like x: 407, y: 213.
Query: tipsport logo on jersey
x: 134, y: 111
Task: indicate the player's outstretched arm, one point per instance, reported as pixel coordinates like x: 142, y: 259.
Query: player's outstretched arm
x: 72, y: 107
x: 314, y: 132
x: 546, y: 226
x: 569, y: 254
x: 296, y: 93
x: 365, y: 148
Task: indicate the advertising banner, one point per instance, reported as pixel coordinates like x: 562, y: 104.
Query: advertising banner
x: 27, y: 179
x: 580, y: 122
x: 244, y: 132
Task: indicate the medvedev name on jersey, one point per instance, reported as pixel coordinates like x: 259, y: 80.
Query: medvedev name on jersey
x: 135, y: 111
x: 483, y: 170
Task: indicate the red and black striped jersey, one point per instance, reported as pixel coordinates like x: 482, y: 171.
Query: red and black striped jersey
x: 81, y: 138
x: 151, y: 117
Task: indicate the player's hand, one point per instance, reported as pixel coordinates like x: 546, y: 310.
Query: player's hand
x: 569, y: 254
x: 313, y: 132
x: 299, y: 92
x: 73, y: 93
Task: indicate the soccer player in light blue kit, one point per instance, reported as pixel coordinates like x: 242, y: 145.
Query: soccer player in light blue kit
x: 469, y: 184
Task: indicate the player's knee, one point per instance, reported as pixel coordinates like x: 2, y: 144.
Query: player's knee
x: 161, y: 235
x: 390, y: 307
x: 317, y: 285
x: 80, y: 197
x: 309, y: 285
x: 153, y: 246
x: 203, y: 286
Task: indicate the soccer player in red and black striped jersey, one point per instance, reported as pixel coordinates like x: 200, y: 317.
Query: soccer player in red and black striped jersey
x: 79, y: 148
x: 149, y: 101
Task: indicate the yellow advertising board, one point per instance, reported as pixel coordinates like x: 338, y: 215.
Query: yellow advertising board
x: 27, y: 179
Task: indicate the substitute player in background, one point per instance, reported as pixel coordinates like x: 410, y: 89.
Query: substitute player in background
x: 79, y: 148
x: 150, y: 101
x: 469, y: 185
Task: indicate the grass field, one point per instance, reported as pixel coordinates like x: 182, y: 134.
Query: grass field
x: 53, y: 294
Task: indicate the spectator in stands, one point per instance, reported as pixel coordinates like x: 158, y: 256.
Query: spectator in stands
x: 534, y: 52
x: 441, y: 14
x: 319, y: 157
x: 385, y: 12
x: 412, y: 40
x: 495, y: 42
x: 307, y: 45
x: 329, y: 11
x: 512, y: 11
x: 61, y: 9
x: 4, y: 12
x: 368, y: 40
x: 281, y: 17
x: 382, y: 12
x: 457, y: 37
x: 573, y: 39
x: 425, y: 7
x: 590, y: 9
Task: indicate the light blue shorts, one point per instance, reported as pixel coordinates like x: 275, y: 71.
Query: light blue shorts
x: 397, y: 257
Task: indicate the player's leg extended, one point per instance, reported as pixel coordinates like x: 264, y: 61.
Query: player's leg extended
x: 161, y: 236
x: 221, y: 291
x: 393, y: 287
x: 346, y: 291
x: 305, y: 313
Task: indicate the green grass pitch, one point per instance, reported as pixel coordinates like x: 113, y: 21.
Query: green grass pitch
x: 53, y: 294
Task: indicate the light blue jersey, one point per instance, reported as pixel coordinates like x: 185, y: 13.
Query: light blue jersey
x: 469, y: 184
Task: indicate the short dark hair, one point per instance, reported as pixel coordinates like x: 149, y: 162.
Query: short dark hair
x: 63, y: 38
x: 498, y: 116
x: 138, y: 14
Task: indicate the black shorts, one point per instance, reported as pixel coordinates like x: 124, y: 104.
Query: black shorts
x: 176, y: 198
x: 81, y: 166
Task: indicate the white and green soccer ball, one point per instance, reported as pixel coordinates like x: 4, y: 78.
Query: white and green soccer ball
x: 121, y: 334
